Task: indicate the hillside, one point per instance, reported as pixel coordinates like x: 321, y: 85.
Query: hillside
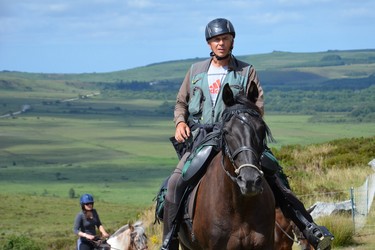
x: 328, y: 65
x: 302, y: 83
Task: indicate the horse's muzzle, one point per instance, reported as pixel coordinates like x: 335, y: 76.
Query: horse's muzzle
x: 250, y: 181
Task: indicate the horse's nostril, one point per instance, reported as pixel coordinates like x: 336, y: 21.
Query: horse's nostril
x: 258, y: 182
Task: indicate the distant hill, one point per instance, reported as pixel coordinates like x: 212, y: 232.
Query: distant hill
x: 287, y: 78
x: 348, y: 63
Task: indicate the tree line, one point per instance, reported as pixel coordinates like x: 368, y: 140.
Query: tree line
x: 352, y: 97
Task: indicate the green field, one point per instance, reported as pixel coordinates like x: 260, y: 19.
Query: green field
x: 121, y: 160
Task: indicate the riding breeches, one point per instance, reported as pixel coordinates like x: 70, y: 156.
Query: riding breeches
x: 175, y: 190
x: 176, y: 184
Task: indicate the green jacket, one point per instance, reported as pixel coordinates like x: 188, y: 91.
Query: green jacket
x: 194, y: 100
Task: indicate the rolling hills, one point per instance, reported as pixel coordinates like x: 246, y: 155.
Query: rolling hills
x: 340, y: 82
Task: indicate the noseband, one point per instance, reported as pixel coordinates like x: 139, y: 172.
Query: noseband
x: 236, y: 114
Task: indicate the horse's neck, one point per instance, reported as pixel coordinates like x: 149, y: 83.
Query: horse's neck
x: 222, y: 181
x: 121, y: 241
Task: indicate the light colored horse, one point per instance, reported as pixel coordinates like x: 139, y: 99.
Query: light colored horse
x: 129, y: 237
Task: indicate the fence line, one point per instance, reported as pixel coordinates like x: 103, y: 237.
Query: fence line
x: 322, y: 194
x: 362, y: 198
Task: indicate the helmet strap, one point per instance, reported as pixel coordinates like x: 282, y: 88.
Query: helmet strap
x: 219, y: 58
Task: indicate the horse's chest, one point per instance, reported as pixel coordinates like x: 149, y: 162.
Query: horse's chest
x: 245, y: 239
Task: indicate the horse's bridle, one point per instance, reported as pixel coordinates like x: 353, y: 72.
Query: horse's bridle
x: 232, y: 155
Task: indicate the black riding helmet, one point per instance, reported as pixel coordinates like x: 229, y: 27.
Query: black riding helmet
x: 219, y: 26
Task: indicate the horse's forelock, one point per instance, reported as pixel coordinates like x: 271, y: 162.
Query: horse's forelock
x: 138, y: 236
x: 241, y: 99
x: 139, y: 230
x: 138, y: 223
x: 241, y: 102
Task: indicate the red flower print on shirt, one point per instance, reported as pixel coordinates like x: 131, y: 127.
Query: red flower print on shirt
x: 214, y: 87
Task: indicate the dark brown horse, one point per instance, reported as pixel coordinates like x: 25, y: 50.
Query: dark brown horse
x: 287, y: 234
x: 284, y: 232
x: 302, y: 241
x: 235, y: 207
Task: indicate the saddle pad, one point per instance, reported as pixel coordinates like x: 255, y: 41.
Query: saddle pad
x: 189, y: 210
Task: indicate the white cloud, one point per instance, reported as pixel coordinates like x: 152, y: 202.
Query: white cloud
x: 169, y: 29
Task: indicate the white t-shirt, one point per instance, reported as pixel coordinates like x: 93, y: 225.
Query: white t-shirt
x: 215, y: 76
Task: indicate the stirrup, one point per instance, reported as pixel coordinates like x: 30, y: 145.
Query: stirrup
x: 168, y: 242
x: 169, y: 238
x: 318, y: 236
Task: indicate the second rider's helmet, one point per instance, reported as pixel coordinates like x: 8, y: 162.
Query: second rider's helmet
x: 86, y: 198
x: 219, y: 26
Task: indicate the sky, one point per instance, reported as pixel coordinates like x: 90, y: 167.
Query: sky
x: 86, y: 36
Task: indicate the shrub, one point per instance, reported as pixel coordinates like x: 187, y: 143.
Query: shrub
x: 341, y: 227
x: 21, y: 243
x: 72, y: 193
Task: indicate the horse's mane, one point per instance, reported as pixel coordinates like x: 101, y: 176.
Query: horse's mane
x: 126, y: 227
x: 120, y: 230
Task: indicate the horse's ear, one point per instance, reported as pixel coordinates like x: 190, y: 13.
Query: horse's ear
x: 253, y: 92
x: 228, y: 97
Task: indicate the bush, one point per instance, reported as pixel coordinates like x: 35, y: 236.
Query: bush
x: 72, y: 193
x: 21, y: 243
x: 341, y: 226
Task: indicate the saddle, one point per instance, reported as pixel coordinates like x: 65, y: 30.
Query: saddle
x: 193, y: 174
x: 193, y: 170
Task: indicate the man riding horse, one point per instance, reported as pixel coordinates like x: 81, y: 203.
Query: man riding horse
x: 198, y: 109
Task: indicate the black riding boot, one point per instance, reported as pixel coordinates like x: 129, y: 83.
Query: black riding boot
x: 318, y: 236
x: 170, y: 240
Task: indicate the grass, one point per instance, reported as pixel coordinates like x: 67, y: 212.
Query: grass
x: 296, y: 129
x: 121, y: 159
x: 48, y: 220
